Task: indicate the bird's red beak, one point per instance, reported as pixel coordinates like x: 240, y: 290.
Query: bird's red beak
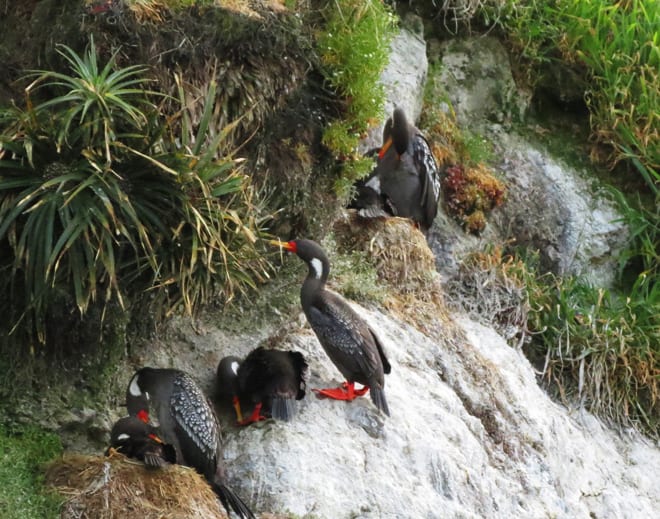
x: 385, y: 147
x: 286, y: 245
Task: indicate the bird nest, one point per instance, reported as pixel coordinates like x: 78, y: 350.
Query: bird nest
x: 114, y: 487
x: 403, y: 261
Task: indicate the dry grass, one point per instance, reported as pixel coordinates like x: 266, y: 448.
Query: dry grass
x: 403, y: 261
x: 491, y: 287
x: 98, y: 487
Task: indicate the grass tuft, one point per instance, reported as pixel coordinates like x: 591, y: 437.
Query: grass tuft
x: 592, y: 345
x: 616, y: 51
x: 354, y: 49
x: 22, y: 454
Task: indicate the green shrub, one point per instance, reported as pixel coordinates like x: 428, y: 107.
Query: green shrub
x: 600, y: 347
x: 104, y: 198
x: 592, y: 345
x: 354, y: 49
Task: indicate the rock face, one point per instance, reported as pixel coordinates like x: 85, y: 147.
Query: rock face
x: 550, y: 206
x: 478, y: 79
x: 403, y: 80
x: 471, y: 435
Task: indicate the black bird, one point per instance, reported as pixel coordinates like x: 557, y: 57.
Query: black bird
x: 136, y: 439
x: 186, y: 420
x: 405, y: 181
x: 347, y: 339
x: 267, y: 380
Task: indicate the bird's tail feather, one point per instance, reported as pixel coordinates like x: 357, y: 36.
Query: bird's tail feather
x: 283, y: 408
x: 379, y: 400
x: 232, y: 502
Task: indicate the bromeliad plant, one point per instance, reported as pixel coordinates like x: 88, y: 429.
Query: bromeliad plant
x: 102, y: 198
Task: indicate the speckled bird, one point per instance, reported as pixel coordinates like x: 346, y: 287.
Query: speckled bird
x: 405, y: 181
x: 136, y: 439
x: 171, y: 400
x: 347, y: 339
x: 269, y: 381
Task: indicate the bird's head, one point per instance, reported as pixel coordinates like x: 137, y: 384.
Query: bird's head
x: 130, y: 429
x: 227, y: 376
x: 311, y: 253
x: 397, y: 133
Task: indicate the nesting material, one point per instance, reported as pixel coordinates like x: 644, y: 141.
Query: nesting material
x: 404, y: 261
x: 114, y: 487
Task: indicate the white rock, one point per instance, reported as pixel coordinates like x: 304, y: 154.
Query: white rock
x: 471, y: 435
x: 403, y: 80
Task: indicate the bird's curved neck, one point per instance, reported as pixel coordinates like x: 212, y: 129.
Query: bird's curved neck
x: 317, y: 276
x: 401, y: 136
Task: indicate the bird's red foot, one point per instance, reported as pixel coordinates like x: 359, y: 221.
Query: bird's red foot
x: 256, y: 416
x: 347, y: 392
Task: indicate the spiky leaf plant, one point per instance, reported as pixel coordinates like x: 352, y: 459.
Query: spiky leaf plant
x: 100, y: 200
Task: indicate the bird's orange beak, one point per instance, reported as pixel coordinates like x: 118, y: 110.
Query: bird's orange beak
x: 156, y: 438
x: 286, y: 245
x: 237, y: 407
x: 385, y: 147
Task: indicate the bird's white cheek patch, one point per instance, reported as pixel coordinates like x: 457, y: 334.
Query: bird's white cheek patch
x: 134, y: 388
x: 234, y: 367
x: 317, y: 267
x: 123, y: 436
x: 374, y: 183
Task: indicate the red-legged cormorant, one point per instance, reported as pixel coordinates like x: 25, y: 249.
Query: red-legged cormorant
x: 268, y: 381
x: 136, y: 439
x: 347, y: 339
x: 186, y: 420
x: 405, y: 181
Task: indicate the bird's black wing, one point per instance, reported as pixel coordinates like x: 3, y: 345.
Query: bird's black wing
x: 345, y: 336
x: 197, y: 427
x: 387, y: 368
x: 300, y: 365
x: 429, y: 177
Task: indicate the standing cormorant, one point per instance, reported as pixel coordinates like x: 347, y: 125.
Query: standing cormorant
x: 347, y: 339
x: 187, y: 421
x: 268, y: 381
x: 136, y: 439
x: 405, y: 181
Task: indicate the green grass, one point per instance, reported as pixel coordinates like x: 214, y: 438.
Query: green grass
x: 354, y: 49
x: 22, y: 452
x: 615, y: 47
x: 593, y: 346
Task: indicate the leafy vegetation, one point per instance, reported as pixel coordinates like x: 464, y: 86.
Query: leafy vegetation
x: 592, y: 343
x: 104, y: 198
x: 469, y: 187
x: 616, y: 50
x: 354, y: 49
x: 470, y: 194
x: 22, y: 452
